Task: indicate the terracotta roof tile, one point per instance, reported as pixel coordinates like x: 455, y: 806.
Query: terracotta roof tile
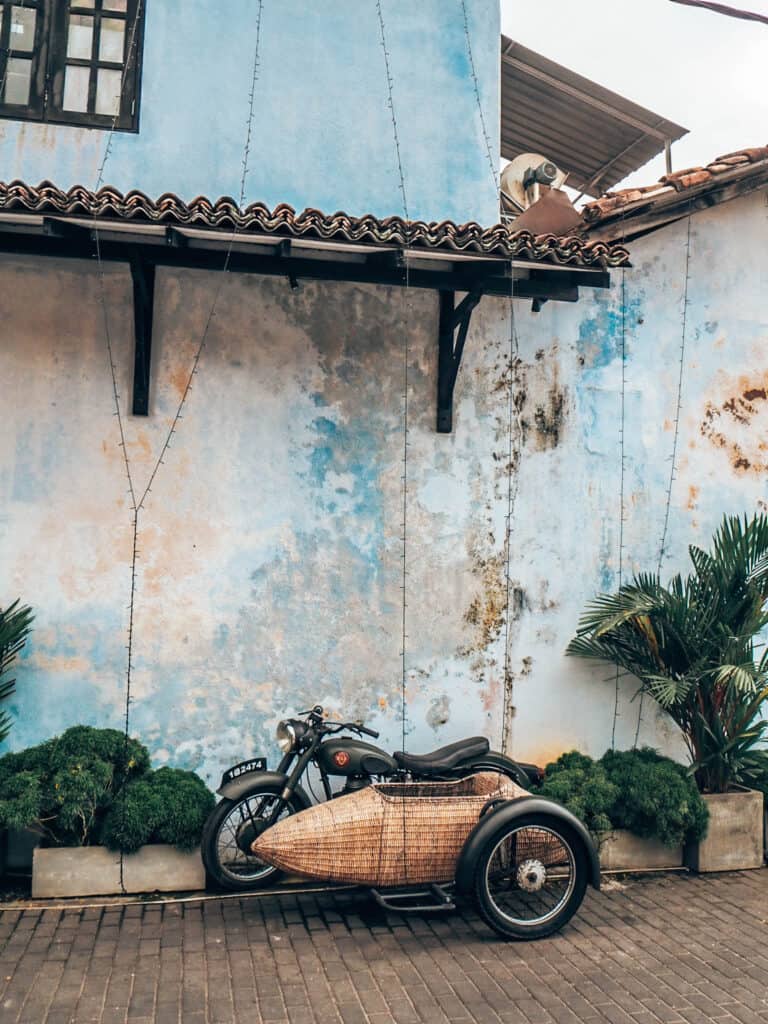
x: 689, y: 178
x: 500, y: 240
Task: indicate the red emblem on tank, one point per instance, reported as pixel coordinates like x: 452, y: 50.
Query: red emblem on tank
x: 341, y: 758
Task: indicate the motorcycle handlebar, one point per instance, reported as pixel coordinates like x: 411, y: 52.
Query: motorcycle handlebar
x: 353, y: 726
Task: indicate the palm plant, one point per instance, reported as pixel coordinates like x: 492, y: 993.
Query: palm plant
x: 15, y: 626
x: 693, y: 645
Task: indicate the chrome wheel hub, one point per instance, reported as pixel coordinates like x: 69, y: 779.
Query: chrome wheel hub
x: 531, y: 875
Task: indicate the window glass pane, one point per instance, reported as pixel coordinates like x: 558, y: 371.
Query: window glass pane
x: 76, y: 88
x: 108, y: 91
x: 17, y: 80
x: 22, y: 29
x: 115, y: 5
x: 80, y: 39
x: 111, y: 40
x: 83, y: 3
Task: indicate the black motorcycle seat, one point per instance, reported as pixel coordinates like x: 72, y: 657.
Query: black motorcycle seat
x: 445, y: 758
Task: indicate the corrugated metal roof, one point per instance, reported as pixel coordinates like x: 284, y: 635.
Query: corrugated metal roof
x: 593, y: 133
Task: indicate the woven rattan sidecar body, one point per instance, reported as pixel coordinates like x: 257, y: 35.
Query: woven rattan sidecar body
x: 391, y: 834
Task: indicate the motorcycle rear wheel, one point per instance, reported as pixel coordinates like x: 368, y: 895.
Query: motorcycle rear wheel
x: 227, y: 863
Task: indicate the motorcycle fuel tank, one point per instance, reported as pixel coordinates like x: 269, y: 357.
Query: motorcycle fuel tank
x: 346, y: 756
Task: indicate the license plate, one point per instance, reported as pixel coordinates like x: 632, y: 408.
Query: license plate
x: 255, y: 764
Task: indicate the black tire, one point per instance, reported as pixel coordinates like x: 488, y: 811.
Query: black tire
x: 228, y: 865
x: 530, y: 877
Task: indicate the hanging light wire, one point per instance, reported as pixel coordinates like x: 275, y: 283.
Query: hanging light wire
x: 622, y: 467
x: 676, y: 436
x: 514, y: 425
x: 137, y: 503
x: 405, y: 328
x: 406, y: 356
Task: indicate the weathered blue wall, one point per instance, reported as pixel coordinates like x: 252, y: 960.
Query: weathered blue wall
x: 322, y: 133
x: 567, y: 516
x: 270, y: 547
x: 269, y: 575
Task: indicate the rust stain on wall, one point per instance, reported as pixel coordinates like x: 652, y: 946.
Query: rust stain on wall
x: 488, y: 608
x: 738, y: 423
x: 541, y: 401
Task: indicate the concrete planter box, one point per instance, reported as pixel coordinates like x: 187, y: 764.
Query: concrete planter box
x: 624, y: 851
x: 734, y: 840
x: 95, y: 871
x: 16, y: 849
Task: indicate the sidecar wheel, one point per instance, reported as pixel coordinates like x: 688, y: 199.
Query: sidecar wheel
x: 227, y: 835
x: 530, y: 877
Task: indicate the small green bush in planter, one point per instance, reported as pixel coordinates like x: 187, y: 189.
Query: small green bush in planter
x: 582, y: 785
x: 657, y: 798
x: 69, y: 787
x: 63, y: 787
x: 637, y: 790
x: 166, y: 806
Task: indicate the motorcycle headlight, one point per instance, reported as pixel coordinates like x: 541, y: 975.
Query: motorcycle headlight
x: 286, y: 737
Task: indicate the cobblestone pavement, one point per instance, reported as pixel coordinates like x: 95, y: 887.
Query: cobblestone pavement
x: 670, y: 948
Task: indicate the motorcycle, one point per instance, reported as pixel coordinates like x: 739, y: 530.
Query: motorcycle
x: 253, y: 798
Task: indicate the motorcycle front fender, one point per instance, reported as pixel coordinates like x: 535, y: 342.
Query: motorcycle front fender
x: 503, y: 814
x: 251, y: 780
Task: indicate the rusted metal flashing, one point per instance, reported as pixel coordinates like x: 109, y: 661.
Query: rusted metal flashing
x: 631, y: 213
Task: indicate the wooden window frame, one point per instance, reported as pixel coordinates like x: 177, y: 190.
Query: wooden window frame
x: 50, y: 62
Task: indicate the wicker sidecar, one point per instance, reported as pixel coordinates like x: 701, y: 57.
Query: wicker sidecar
x: 524, y: 861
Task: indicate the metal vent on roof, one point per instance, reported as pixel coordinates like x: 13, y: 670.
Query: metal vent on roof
x: 594, y: 134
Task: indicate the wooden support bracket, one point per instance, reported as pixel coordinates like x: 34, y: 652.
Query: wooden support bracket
x: 143, y: 274
x: 450, y: 352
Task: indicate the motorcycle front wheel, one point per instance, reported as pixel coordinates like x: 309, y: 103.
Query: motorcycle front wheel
x: 228, y: 833
x: 530, y: 877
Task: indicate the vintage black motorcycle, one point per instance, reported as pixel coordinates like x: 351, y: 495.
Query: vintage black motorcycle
x: 254, y: 798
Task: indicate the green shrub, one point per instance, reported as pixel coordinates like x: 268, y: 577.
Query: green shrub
x: 582, y: 785
x: 638, y: 790
x: 64, y: 786
x: 657, y: 798
x: 166, y: 806
x: 91, y: 786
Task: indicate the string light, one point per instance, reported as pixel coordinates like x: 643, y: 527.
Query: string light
x: 138, y: 505
x: 678, y: 406
x: 406, y: 356
x: 514, y: 424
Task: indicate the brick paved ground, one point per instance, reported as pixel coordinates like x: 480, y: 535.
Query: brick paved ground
x: 672, y: 949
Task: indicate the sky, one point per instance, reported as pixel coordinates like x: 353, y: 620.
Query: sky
x: 702, y: 70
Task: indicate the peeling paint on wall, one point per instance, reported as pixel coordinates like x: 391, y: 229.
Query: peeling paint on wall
x: 738, y: 423
x: 270, y: 564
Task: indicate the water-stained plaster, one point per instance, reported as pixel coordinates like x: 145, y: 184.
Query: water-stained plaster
x: 270, y: 548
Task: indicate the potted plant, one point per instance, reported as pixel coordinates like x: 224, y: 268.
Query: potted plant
x: 642, y: 808
x: 106, y: 821
x: 15, y: 627
x: 693, y: 645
